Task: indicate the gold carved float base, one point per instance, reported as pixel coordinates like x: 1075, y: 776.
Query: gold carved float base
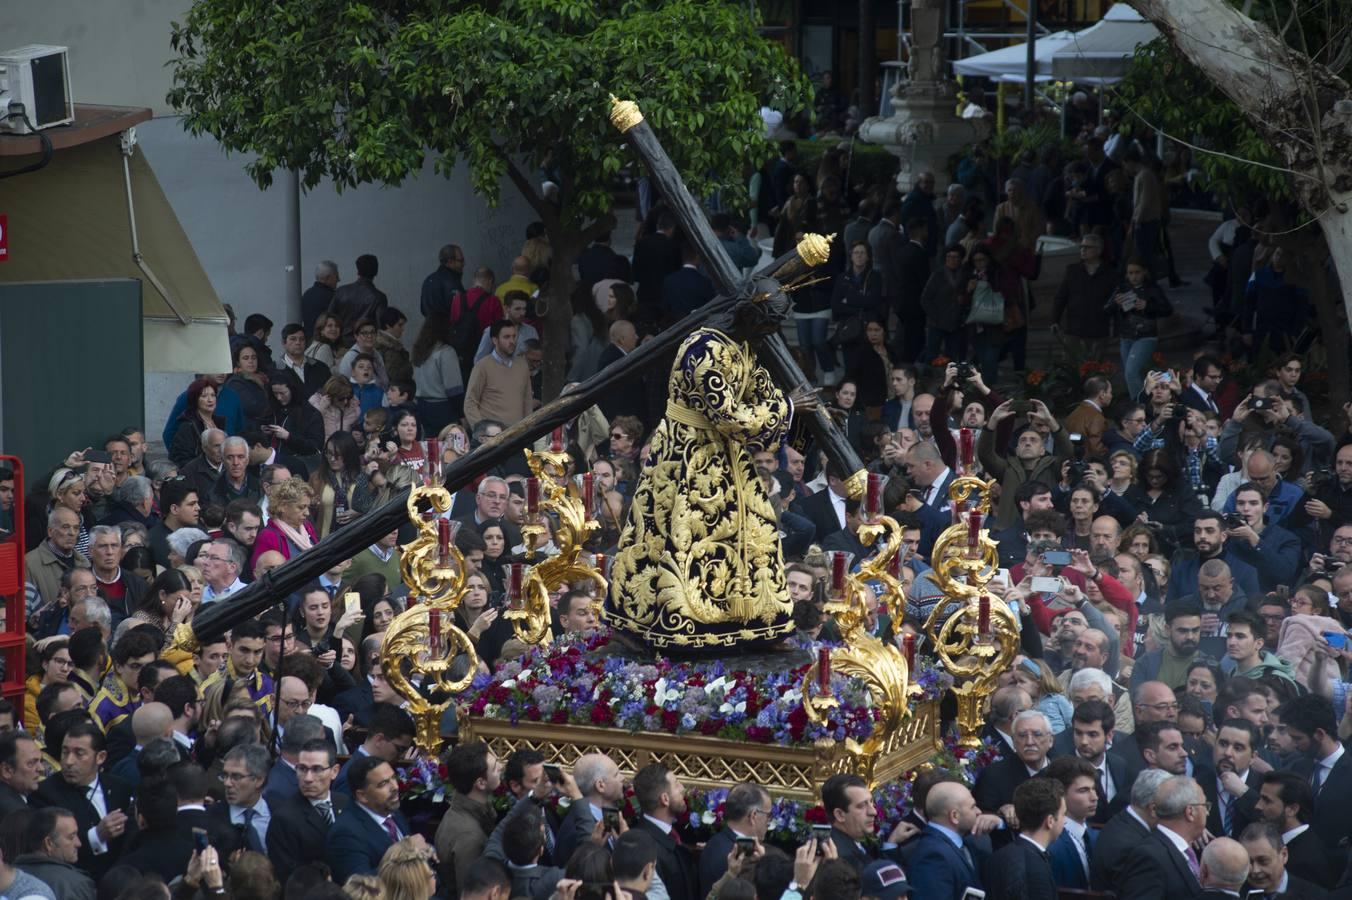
x: 791, y: 772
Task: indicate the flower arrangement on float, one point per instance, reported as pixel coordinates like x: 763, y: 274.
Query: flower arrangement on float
x: 570, y: 682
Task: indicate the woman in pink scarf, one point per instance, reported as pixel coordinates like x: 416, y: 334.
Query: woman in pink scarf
x: 288, y: 531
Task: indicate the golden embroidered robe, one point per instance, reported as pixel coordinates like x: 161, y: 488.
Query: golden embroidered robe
x: 699, y: 563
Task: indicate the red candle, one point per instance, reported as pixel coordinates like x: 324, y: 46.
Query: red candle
x: 434, y: 632
x: 840, y: 564
x: 908, y: 649
x: 443, y: 541
x: 974, y: 529
x: 516, y: 578
x: 983, y: 615
x: 959, y: 510
x: 824, y: 669
x: 532, y: 495
x: 602, y: 565
x: 873, y: 498
x: 588, y: 494
x: 433, y: 461
x: 965, y: 443
x: 556, y: 440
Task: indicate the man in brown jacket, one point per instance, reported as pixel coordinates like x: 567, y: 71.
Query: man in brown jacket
x: 1087, y: 419
x: 472, y: 771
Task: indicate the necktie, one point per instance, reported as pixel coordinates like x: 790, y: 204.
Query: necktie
x: 1227, y: 809
x: 325, y: 808
x: 251, y: 840
x: 1102, y: 791
x: 1317, y: 778
x: 391, y: 829
x: 1193, y: 862
x: 967, y: 855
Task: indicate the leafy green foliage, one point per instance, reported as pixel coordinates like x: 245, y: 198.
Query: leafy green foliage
x: 361, y: 92
x: 1166, y: 91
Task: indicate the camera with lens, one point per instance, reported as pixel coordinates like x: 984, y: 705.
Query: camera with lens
x: 1321, y: 478
x: 1330, y: 568
x: 1233, y: 520
x: 965, y: 370
x: 1259, y: 404
x: 321, y: 648
x: 1076, y: 471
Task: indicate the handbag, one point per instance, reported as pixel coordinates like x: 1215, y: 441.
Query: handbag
x: 988, y: 306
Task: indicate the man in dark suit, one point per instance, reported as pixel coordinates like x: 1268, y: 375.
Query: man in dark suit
x: 850, y: 810
x: 1270, y: 868
x: 1023, y: 868
x: 630, y: 396
x: 1225, y: 868
x: 301, y: 820
x: 686, y: 289
x: 598, y: 780
x: 310, y: 372
x: 1006, y: 703
x: 1165, y: 866
x: 913, y: 268
x: 1233, y: 791
x: 994, y: 791
x: 943, y: 863
x: 1285, y: 802
x: 244, y: 772
x: 299, y: 730
x: 1125, y: 831
x: 824, y: 509
x: 20, y: 770
x: 1073, y: 848
x: 366, y: 829
x: 927, y: 471
x: 661, y: 798
x: 655, y: 257
x: 746, y: 813
x: 1091, y: 728
x: 99, y: 802
x: 160, y: 845
x: 1313, y: 726
x: 190, y: 785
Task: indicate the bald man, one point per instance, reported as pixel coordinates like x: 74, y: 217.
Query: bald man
x: 152, y: 720
x: 598, y: 779
x: 1225, y: 868
x: 629, y: 397
x: 944, y: 862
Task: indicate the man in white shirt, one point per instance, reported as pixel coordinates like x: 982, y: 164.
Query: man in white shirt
x: 1234, y: 795
x: 926, y: 469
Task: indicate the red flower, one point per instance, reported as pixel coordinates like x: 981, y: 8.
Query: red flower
x: 797, y: 723
x: 816, y: 815
x: 671, y: 720
x: 758, y: 735
x: 560, y: 717
x: 710, y: 726
x: 601, y: 713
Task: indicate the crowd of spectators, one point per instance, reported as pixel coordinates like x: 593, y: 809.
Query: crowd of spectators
x: 1171, y: 541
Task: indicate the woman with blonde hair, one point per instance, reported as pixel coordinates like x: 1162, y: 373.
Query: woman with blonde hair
x: 1038, y: 680
x: 288, y: 531
x: 364, y: 887
x: 405, y: 872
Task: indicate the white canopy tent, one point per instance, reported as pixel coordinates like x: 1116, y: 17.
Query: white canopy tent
x: 1100, y: 53
x: 1097, y: 55
x: 1011, y: 63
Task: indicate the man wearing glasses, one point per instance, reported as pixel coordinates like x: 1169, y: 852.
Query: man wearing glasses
x: 221, y: 563
x: 746, y: 814
x: 366, y: 343
x: 1166, y: 864
x: 994, y: 791
x: 301, y: 819
x: 246, y: 768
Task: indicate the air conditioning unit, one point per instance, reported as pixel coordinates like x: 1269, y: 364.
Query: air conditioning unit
x: 38, y: 76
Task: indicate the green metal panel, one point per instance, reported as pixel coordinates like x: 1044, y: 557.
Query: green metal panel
x: 71, y: 368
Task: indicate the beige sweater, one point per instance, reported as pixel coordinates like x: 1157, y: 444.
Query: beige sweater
x: 496, y: 391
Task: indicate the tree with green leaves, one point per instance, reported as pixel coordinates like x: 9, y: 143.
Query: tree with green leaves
x: 362, y: 92
x: 1283, y: 68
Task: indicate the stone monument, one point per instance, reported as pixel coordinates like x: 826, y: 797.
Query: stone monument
x: 924, y: 129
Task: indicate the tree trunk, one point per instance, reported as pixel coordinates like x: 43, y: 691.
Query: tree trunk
x: 556, y: 326
x: 1288, y: 97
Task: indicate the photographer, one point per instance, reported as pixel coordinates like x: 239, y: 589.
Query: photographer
x: 962, y: 384
x: 316, y: 629
x: 1265, y: 412
x: 1272, y: 550
x: 1030, y: 460
x: 1331, y: 503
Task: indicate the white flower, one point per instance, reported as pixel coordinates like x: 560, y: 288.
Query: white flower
x: 524, y: 676
x: 509, y: 683
x: 729, y: 708
x: 663, y: 694
x: 718, y: 684
x: 707, y: 817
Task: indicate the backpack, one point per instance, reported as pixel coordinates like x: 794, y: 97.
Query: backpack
x: 465, y: 330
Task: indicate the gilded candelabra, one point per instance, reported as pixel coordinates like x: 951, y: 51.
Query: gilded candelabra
x: 976, y: 641
x: 423, y: 643
x: 547, y: 492
x: 883, y: 668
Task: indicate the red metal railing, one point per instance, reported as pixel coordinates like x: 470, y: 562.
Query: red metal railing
x: 13, y: 630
